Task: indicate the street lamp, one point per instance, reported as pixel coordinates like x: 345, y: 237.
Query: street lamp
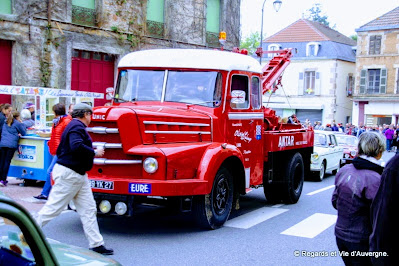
x: 276, y: 5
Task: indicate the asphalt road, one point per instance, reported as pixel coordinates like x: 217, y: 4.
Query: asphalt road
x: 257, y: 234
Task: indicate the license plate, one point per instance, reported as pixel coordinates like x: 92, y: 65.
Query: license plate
x: 139, y: 188
x: 99, y: 184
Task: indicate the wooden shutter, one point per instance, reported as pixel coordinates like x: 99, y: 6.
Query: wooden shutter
x: 5, y: 7
x: 300, y: 83
x: 317, y: 84
x: 213, y: 16
x: 383, y: 80
x: 155, y: 10
x: 363, y: 77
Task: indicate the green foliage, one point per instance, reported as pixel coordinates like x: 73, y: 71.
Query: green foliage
x: 250, y: 42
x: 353, y: 37
x: 315, y: 15
x: 115, y: 29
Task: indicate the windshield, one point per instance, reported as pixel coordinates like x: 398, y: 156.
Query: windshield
x: 139, y: 85
x: 191, y: 87
x: 347, y: 140
x: 320, y: 140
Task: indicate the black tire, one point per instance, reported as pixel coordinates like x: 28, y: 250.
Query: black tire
x: 319, y: 176
x: 212, y: 211
x: 334, y: 172
x: 290, y: 191
x: 294, y: 176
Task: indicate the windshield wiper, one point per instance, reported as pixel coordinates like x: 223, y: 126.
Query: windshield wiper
x: 199, y: 103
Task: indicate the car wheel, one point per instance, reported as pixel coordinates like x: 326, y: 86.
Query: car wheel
x: 213, y: 210
x: 320, y: 175
x: 334, y: 172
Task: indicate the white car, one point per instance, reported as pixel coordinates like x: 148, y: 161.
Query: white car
x: 327, y: 155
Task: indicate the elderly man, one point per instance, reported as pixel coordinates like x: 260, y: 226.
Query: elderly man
x: 31, y: 107
x: 75, y: 157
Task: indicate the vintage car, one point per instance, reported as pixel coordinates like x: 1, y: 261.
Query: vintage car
x: 327, y: 155
x: 22, y: 242
x: 349, y: 143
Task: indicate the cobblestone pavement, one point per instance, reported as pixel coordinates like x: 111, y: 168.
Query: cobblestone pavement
x: 16, y: 190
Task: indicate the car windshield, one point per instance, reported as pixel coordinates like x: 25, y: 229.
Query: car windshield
x: 320, y: 140
x: 346, y: 140
x: 190, y: 87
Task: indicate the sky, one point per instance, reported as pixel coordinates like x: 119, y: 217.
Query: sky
x: 346, y: 15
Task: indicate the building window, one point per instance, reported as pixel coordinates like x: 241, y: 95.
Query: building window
x: 5, y: 7
x: 212, y: 22
x: 273, y: 47
x: 155, y: 17
x: 84, y: 12
x: 373, y: 81
x: 350, y: 81
x: 312, y: 49
x: 256, y: 97
x: 375, y: 44
x: 309, y: 83
x: 239, y: 87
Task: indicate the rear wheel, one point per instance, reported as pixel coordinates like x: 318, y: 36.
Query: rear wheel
x: 294, y: 174
x: 289, y: 191
x: 213, y: 210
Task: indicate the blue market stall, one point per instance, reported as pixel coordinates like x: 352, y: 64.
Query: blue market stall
x: 32, y: 157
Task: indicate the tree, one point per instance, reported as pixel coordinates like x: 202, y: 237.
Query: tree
x: 315, y: 15
x: 353, y: 37
x: 250, y: 42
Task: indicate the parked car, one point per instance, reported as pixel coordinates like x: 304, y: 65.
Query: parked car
x: 349, y: 143
x: 327, y: 155
x: 22, y: 242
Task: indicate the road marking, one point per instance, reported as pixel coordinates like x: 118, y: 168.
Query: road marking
x: 253, y: 218
x: 277, y: 205
x: 312, y: 226
x: 320, y: 190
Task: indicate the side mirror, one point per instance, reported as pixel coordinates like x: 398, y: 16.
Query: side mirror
x: 237, y: 96
x: 109, y: 93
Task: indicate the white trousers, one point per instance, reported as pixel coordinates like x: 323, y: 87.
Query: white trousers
x: 69, y: 185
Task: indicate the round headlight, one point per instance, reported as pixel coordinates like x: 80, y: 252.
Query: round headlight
x: 353, y: 153
x: 105, y: 206
x: 150, y: 165
x: 346, y: 155
x: 120, y: 208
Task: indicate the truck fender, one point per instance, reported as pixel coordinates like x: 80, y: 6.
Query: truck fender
x: 214, y: 157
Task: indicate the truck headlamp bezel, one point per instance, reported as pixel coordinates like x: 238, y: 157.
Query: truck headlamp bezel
x: 150, y: 165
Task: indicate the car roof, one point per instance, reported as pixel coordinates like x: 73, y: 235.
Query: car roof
x: 325, y: 132
x: 190, y: 59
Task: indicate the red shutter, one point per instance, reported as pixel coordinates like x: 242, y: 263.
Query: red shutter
x: 5, y: 68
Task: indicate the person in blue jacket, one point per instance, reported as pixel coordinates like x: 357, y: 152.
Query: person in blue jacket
x: 11, y: 131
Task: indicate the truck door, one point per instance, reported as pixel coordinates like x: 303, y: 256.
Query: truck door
x: 245, y: 124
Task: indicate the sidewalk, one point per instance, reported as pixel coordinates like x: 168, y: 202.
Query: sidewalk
x: 24, y: 194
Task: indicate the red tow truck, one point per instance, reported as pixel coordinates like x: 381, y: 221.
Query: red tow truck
x: 188, y: 126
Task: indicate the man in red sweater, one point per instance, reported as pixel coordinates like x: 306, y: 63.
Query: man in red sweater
x: 61, y: 120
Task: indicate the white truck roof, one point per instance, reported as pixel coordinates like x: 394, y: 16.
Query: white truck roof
x: 191, y: 58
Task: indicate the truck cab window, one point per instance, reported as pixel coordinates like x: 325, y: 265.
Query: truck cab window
x: 240, y: 83
x: 194, y: 87
x: 139, y: 85
x: 256, y: 97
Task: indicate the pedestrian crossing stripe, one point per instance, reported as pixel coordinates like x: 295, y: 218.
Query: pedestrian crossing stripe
x: 311, y: 226
x: 255, y: 217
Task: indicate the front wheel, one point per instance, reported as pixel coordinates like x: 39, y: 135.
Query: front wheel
x: 213, y: 210
x: 319, y: 176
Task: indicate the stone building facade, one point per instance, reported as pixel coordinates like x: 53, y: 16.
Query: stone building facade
x: 376, y: 95
x: 56, y: 43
